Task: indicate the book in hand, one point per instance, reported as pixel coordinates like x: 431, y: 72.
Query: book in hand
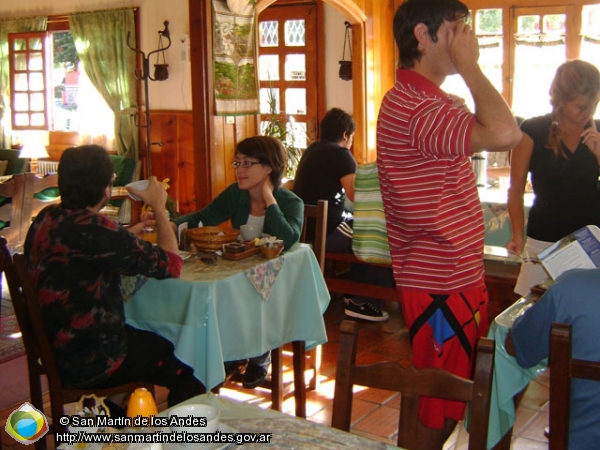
x: 578, y: 250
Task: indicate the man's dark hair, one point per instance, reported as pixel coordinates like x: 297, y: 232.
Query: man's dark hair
x: 269, y: 152
x: 83, y: 174
x: 432, y: 13
x: 334, y: 124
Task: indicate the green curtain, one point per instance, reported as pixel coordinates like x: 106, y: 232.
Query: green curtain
x: 101, y: 43
x: 24, y: 25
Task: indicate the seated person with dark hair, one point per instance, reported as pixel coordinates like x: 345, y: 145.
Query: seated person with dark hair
x: 76, y: 257
x: 573, y: 299
x: 257, y: 198
x: 326, y: 172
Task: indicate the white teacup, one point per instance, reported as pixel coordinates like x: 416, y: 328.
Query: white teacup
x: 140, y: 185
x: 196, y: 410
x: 250, y: 232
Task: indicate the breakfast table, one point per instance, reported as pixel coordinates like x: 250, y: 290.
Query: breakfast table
x: 287, y: 432
x: 221, y: 310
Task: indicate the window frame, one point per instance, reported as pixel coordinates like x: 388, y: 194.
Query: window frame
x: 13, y: 73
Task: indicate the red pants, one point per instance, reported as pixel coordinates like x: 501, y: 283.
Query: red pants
x: 444, y: 329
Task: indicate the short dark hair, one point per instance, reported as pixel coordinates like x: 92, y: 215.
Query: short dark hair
x: 83, y: 174
x: 432, y: 13
x: 269, y: 152
x: 333, y: 125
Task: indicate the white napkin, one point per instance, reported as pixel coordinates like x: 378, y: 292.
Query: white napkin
x: 180, y: 229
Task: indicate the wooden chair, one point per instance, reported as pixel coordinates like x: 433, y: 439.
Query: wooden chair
x: 11, y: 209
x: 413, y: 383
x: 40, y: 360
x: 280, y: 390
x: 563, y: 367
x: 38, y: 196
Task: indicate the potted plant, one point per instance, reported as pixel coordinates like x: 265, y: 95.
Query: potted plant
x: 284, y: 132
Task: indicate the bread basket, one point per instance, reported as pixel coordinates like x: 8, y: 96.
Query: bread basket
x: 211, y: 239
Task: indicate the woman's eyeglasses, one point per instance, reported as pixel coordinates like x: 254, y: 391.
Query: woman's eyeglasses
x: 243, y: 164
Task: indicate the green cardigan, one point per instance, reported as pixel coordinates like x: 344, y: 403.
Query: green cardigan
x: 284, y: 220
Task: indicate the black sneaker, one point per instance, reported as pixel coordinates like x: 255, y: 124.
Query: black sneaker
x: 254, y: 376
x: 366, y: 311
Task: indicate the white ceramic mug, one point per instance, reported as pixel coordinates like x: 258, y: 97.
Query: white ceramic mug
x: 250, y: 232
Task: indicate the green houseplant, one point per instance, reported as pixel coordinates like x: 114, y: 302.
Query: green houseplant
x: 276, y: 128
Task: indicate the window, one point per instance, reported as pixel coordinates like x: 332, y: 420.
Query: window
x: 50, y: 89
x: 28, y: 81
x: 522, y: 63
x: 287, y: 72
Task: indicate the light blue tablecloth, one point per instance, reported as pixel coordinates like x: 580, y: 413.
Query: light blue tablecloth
x: 495, y: 215
x: 509, y: 377
x: 212, y: 319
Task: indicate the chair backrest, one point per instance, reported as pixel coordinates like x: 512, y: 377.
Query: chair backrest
x: 40, y: 191
x: 562, y: 368
x: 413, y: 383
x: 318, y: 214
x: 11, y: 208
x: 29, y: 315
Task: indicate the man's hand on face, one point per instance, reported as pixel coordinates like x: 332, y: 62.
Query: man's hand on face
x: 463, y: 46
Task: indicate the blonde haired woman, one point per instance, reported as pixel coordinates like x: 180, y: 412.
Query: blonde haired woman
x: 561, y: 150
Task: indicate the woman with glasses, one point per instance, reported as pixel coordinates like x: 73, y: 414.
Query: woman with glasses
x: 257, y: 199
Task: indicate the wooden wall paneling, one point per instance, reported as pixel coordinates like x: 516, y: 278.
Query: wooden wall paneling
x: 174, y: 159
x: 230, y: 134
x: 202, y: 96
x: 163, y: 145
x: 186, y: 182
x: 218, y: 174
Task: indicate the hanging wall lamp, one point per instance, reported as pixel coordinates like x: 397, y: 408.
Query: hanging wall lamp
x: 346, y: 65
x: 161, y: 70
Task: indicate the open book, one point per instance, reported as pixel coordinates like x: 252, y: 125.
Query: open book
x: 578, y: 250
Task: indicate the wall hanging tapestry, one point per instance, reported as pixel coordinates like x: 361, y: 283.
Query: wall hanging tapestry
x: 234, y: 58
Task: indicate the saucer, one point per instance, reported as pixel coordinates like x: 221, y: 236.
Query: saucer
x: 184, y: 255
x: 223, y: 428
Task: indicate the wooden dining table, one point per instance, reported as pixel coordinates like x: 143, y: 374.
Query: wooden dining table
x: 230, y: 310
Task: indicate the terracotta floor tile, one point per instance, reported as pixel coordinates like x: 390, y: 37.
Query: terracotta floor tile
x: 535, y: 429
x: 383, y: 421
x: 360, y: 409
x: 527, y: 444
x: 378, y: 396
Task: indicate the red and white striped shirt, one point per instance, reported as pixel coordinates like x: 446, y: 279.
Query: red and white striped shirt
x: 433, y: 213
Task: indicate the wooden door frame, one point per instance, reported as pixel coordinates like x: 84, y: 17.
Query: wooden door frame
x: 200, y: 20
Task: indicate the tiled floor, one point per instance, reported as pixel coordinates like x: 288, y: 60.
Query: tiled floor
x: 375, y: 412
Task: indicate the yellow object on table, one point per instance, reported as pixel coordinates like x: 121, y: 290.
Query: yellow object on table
x: 141, y: 403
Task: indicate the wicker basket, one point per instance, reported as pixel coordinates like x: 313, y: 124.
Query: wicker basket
x: 211, y: 239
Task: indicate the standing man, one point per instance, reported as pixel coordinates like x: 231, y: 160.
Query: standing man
x: 425, y: 138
